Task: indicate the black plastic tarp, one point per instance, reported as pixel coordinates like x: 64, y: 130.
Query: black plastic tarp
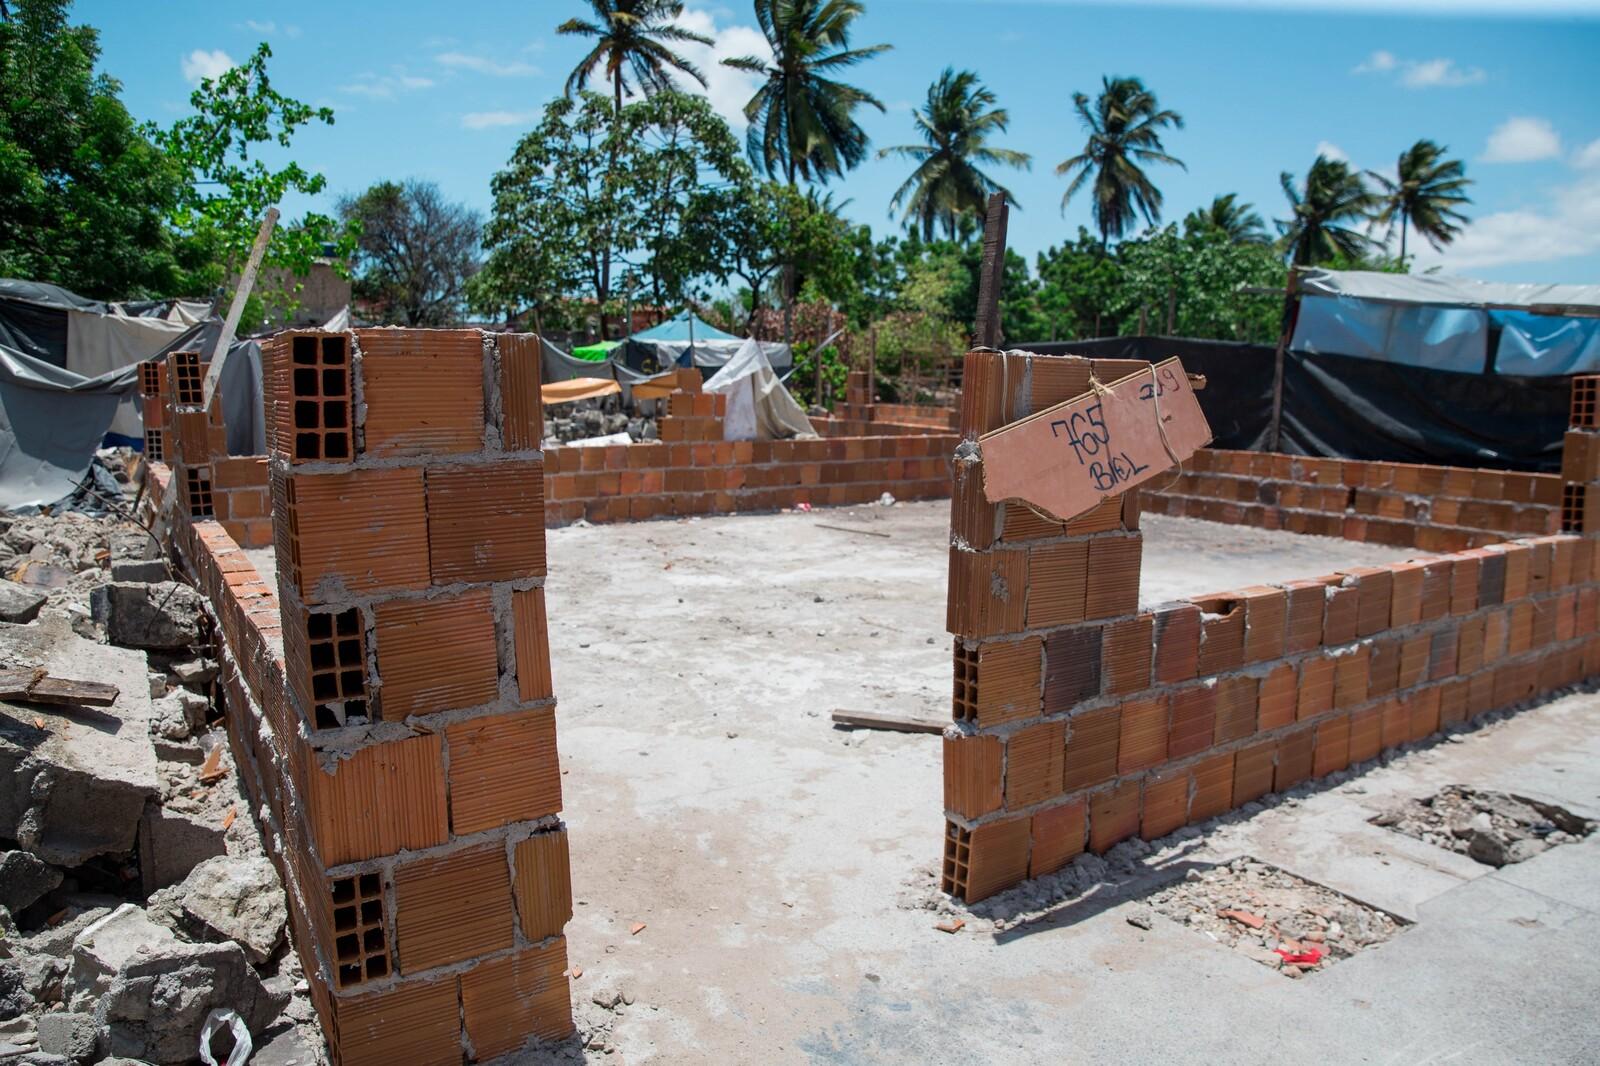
x: 1342, y: 407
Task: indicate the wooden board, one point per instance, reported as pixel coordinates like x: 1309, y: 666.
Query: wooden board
x: 1067, y: 458
x: 37, y: 686
x: 894, y: 723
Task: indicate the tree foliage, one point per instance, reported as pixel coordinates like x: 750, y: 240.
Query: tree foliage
x: 1425, y: 193
x: 629, y: 36
x: 1324, y: 213
x: 1124, y: 125
x: 415, y: 254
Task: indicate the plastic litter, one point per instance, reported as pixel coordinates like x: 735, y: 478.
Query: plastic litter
x: 242, y: 1047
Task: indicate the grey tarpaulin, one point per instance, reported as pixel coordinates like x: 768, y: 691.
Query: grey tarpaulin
x: 759, y: 407
x: 51, y: 422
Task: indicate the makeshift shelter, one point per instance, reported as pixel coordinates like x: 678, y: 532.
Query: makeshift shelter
x: 598, y: 352
x: 68, y: 382
x: 688, y: 340
x: 759, y: 406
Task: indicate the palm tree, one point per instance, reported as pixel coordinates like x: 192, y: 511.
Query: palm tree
x: 1428, y: 188
x: 1238, y: 222
x: 1317, y: 228
x: 801, y: 120
x: 628, y: 37
x: 956, y: 121
x: 1124, y: 126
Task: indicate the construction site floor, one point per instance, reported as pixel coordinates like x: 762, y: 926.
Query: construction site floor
x: 782, y: 868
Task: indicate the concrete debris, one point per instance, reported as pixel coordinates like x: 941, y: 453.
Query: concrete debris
x: 1265, y: 913
x: 71, y: 1035
x: 161, y: 616
x: 24, y: 878
x: 74, y: 780
x: 179, y: 715
x: 134, y: 556
x: 19, y: 603
x: 174, y: 840
x: 101, y: 951
x: 238, y: 899
x: 1493, y: 828
x: 15, y: 1000
x: 160, y: 998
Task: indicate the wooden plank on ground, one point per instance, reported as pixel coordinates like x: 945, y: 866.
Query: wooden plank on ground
x: 892, y: 722
x: 37, y: 686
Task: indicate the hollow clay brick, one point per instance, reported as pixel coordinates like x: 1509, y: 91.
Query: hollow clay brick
x: 1194, y: 714
x: 452, y: 908
x: 1341, y: 620
x: 1351, y: 676
x: 1405, y: 603
x: 1383, y: 667
x: 1034, y: 764
x: 1443, y: 645
x: 436, y: 654
x: 988, y: 592
x: 1221, y: 635
x: 486, y: 523
x: 417, y: 1023
x: 423, y: 391
x: 1518, y: 569
x: 1166, y: 803
x: 503, y: 768
x: 381, y: 800
x: 505, y: 1001
x: 1213, y: 786
x: 1304, y: 616
x: 1177, y: 642
x: 972, y: 775
x: 1252, y: 771
x: 1113, y: 816
x: 1366, y: 734
x: 1265, y: 623
x: 1332, y: 745
x: 1072, y: 671
x: 1424, y: 708
x: 1469, y: 653
x: 1491, y: 578
x: 1143, y: 741
x: 1057, y: 583
x: 1436, y: 581
x: 1008, y: 681
x: 530, y: 628
x: 354, y: 532
x: 1294, y: 758
x: 1415, y: 652
x: 1127, y: 650
x: 543, y: 884
x: 521, y: 412
x: 1236, y: 708
x: 1058, y: 836
x: 1113, y: 582
x: 999, y: 857
x: 1277, y: 698
x: 1375, y: 586
x: 1090, y: 755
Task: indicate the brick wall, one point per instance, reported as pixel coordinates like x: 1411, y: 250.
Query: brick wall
x: 390, y: 707
x: 1081, y: 720
x: 633, y: 482
x: 1434, y: 508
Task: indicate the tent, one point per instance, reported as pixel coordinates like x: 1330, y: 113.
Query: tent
x: 68, y: 382
x: 688, y: 340
x: 597, y: 352
x: 759, y: 407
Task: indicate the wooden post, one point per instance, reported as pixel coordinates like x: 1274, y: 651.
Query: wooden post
x: 247, y: 281
x: 992, y: 274
x: 1291, y: 295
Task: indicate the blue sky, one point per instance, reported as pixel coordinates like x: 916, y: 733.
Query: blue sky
x: 441, y: 92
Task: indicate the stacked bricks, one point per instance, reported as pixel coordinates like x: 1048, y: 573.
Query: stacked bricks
x: 407, y: 746
x: 1082, y: 720
x: 155, y: 391
x: 694, y: 417
x: 1580, y: 459
x: 1434, y: 508
x: 634, y: 482
x: 857, y: 406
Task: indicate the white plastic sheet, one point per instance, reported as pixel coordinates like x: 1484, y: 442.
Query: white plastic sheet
x: 759, y: 406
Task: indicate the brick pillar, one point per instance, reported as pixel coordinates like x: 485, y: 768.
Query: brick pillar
x: 1047, y: 633
x: 428, y: 861
x: 1580, y: 460
x: 153, y: 387
x: 857, y: 404
x: 191, y: 435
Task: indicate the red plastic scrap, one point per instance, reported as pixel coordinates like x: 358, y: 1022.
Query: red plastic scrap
x: 1304, y: 957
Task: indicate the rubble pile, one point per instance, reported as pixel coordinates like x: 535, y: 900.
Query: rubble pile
x: 136, y: 901
x: 582, y: 419
x: 1277, y: 919
x: 1494, y: 828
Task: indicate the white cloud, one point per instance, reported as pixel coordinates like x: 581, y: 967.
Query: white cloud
x: 200, y: 64
x: 479, y: 64
x: 1421, y: 73
x: 269, y: 28
x: 486, y: 120
x: 727, y: 89
x: 386, y: 86
x: 1522, y: 139
x: 1332, y: 151
x: 1569, y: 226
x: 1587, y: 157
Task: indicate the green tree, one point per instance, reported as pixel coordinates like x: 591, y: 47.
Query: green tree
x: 802, y: 120
x: 1190, y: 284
x: 956, y: 122
x: 1124, y: 125
x: 1078, y: 283
x: 1425, y: 193
x: 1238, y: 221
x: 1323, y: 213
x: 756, y: 229
x: 628, y: 37
x: 84, y: 193
x: 415, y: 254
x: 229, y: 188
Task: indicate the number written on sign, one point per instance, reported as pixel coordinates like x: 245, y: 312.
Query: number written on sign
x: 1086, y: 432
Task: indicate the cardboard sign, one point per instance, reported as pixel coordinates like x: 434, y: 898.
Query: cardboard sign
x: 1067, y: 458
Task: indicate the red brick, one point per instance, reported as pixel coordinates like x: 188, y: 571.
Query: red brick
x: 1177, y: 642
x: 1253, y: 767
x: 1091, y: 748
x: 1058, y: 836
x: 436, y: 654
x: 1166, y: 803
x: 1113, y: 816
x: 506, y: 1001
x: 1278, y: 697
x: 999, y: 857
x: 1145, y: 725
x: 453, y: 907
x: 1221, y: 635
x: 1266, y: 617
x: 1034, y: 764
x: 1194, y: 712
x: 486, y: 523
x: 1213, y: 787
x: 1236, y: 708
x: 1127, y: 650
x: 972, y: 775
x: 503, y: 769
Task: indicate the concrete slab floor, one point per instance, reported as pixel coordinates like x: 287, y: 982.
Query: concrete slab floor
x: 780, y: 864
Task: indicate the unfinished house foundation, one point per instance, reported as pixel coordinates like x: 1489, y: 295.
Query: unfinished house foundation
x: 390, y: 709
x: 1082, y: 720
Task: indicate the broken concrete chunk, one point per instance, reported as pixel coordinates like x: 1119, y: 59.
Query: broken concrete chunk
x: 159, y: 1001
x: 100, y: 952
x: 24, y: 878
x: 72, y: 1036
x: 173, y: 842
x: 238, y: 899
x: 14, y: 997
x: 162, y: 615
x: 19, y: 603
x: 196, y: 672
